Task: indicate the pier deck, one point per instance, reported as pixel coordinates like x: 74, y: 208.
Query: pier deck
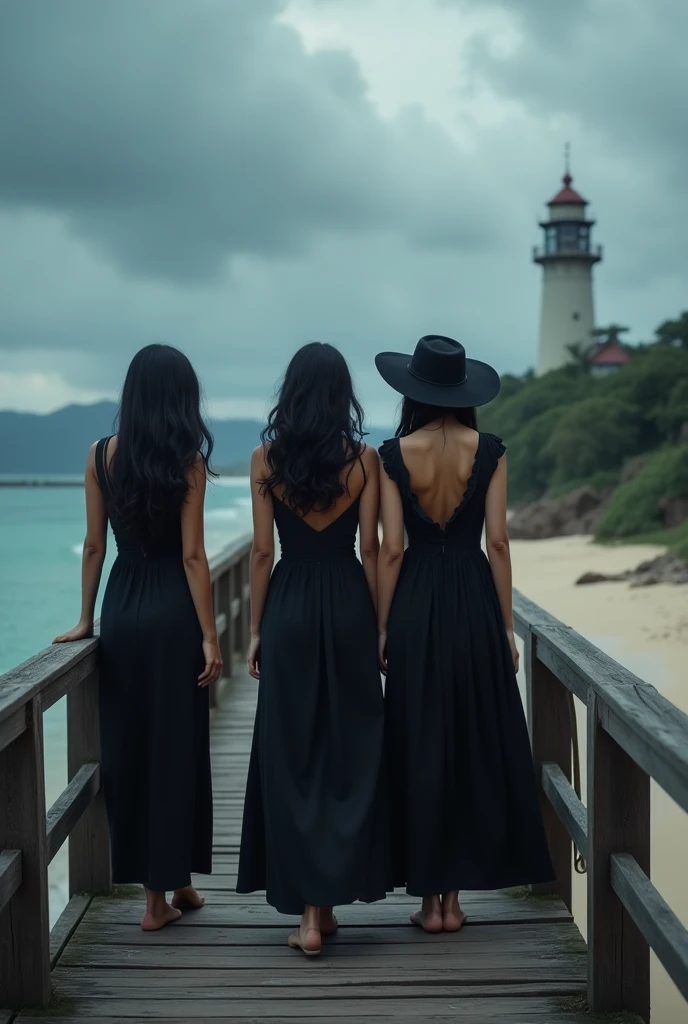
x: 518, y: 958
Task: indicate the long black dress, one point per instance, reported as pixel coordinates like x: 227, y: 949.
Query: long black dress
x: 314, y: 828
x: 463, y: 802
x: 153, y: 716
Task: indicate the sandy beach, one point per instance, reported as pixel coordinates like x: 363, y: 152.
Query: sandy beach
x: 646, y: 629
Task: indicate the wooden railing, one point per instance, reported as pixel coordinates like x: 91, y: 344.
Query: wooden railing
x: 30, y: 838
x: 633, y: 734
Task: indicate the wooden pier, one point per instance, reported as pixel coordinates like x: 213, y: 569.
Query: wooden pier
x: 520, y: 958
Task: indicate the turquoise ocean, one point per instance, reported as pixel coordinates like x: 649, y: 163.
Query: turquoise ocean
x: 41, y: 534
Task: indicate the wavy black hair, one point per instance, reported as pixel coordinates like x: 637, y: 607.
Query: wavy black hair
x: 415, y: 415
x: 314, y: 431
x: 160, y: 433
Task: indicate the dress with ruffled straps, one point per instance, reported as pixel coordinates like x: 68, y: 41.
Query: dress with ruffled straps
x: 463, y: 802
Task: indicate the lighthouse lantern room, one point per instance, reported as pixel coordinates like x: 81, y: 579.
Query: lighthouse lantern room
x: 567, y: 258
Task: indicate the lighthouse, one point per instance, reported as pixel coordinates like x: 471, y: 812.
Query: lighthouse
x: 567, y: 257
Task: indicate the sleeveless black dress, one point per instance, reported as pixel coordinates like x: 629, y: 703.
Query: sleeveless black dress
x: 464, y: 809
x: 314, y: 828
x: 154, y: 718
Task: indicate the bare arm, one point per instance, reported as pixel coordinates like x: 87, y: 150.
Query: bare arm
x: 197, y: 571
x: 262, y: 554
x: 391, y: 555
x: 497, y: 543
x: 368, y: 519
x: 95, y: 547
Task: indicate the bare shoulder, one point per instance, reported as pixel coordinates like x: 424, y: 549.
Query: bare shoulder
x: 259, y: 455
x: 369, y: 457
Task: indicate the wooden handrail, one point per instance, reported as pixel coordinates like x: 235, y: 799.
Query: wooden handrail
x: 633, y: 734
x: 30, y: 838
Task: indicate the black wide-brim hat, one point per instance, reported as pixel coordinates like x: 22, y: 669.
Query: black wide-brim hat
x: 439, y: 373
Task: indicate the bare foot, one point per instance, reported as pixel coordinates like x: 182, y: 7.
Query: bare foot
x: 328, y: 922
x: 453, y: 919
x: 307, y: 940
x: 428, y: 920
x: 154, y: 922
x: 187, y: 899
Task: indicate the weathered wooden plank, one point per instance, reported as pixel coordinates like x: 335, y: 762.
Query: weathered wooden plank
x: 653, y: 916
x: 70, y: 805
x: 89, y: 842
x: 570, y: 810
x: 549, y: 724
x: 648, y: 726
x: 618, y: 822
x: 58, y: 662
x: 11, y: 727
x: 66, y: 925
x: 229, y: 556
x: 536, y: 936
x: 374, y: 962
x: 523, y: 1007
x: 24, y: 942
x: 230, y: 911
x: 10, y: 875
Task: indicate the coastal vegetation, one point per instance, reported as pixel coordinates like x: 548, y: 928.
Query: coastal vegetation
x: 624, y: 435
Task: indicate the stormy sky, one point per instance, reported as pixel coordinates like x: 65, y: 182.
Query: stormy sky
x: 237, y: 177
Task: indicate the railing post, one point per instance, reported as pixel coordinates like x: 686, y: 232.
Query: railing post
x: 245, y: 607
x: 549, y: 724
x: 233, y: 588
x: 24, y: 924
x: 224, y: 606
x: 618, y: 822
x: 89, y: 841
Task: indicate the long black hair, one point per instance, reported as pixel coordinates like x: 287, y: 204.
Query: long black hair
x: 314, y: 431
x: 160, y: 432
x: 415, y: 415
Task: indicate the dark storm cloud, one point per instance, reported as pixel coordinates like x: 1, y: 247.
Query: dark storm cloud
x: 615, y: 65
x: 174, y: 134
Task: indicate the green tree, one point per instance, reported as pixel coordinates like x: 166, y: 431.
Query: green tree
x: 674, y: 332
x: 610, y: 333
x: 590, y: 437
x: 672, y: 415
x: 636, y: 506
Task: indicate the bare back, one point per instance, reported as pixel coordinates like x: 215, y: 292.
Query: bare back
x: 440, y: 459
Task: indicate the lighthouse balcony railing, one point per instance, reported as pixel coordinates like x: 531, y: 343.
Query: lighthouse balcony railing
x: 587, y: 252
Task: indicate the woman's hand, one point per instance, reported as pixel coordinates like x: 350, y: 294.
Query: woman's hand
x: 213, y: 663
x: 515, y: 657
x: 253, y: 656
x: 82, y: 631
x: 382, y: 651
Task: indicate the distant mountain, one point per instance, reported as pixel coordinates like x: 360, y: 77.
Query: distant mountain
x: 58, y: 442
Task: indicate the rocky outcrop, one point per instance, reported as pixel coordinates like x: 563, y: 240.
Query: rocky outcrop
x: 666, y: 568
x: 573, y: 513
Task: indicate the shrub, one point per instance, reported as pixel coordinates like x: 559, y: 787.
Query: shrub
x: 636, y: 506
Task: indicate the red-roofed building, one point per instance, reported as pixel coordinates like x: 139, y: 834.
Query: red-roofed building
x: 567, y: 257
x: 607, y: 357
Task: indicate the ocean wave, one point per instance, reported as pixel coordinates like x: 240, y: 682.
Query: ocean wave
x: 232, y: 481
x: 77, y: 549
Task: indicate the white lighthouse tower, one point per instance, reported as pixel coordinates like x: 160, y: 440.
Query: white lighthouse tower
x: 567, y: 258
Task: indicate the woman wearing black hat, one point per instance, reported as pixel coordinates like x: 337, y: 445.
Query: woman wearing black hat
x: 464, y: 809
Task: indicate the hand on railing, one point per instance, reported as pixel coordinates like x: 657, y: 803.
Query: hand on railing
x: 515, y: 657
x: 253, y: 656
x: 82, y: 631
x: 213, y: 663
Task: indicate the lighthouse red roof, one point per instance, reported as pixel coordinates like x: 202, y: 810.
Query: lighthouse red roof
x: 567, y: 196
x: 609, y: 353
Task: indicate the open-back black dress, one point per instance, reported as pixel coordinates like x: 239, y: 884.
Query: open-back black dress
x: 314, y: 827
x: 154, y: 722
x: 464, y: 809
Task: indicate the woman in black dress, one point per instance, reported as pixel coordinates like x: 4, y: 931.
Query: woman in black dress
x: 464, y: 808
x: 158, y: 646
x: 314, y: 832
